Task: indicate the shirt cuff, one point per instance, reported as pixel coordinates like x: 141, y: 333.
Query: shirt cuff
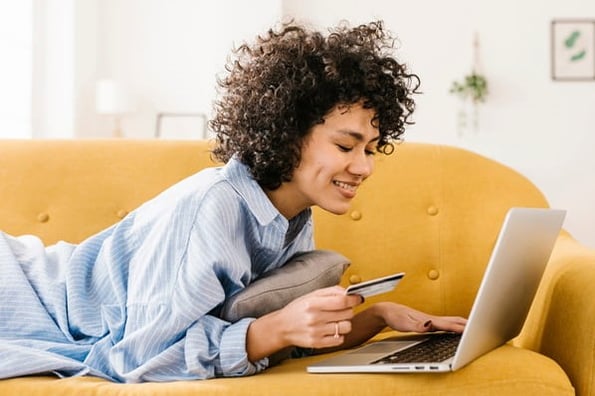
x: 232, y: 352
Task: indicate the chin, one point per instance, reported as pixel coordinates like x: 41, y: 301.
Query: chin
x: 336, y: 210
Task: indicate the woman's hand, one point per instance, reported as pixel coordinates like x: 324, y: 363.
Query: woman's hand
x: 319, y: 319
x: 366, y: 324
x: 402, y: 318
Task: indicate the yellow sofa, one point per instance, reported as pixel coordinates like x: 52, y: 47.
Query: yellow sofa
x: 430, y: 211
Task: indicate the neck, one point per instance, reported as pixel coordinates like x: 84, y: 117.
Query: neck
x: 286, y: 201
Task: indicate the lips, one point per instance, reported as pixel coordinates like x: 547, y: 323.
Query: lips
x: 348, y: 189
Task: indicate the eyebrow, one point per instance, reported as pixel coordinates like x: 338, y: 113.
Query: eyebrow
x: 357, y: 135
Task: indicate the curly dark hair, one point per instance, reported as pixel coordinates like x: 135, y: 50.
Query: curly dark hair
x: 277, y: 89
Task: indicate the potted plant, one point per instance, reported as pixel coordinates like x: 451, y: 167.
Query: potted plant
x: 474, y: 86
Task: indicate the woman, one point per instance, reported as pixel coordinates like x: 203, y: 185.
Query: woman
x: 300, y: 118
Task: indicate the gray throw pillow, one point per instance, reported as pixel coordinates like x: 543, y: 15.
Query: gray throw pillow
x: 302, y: 274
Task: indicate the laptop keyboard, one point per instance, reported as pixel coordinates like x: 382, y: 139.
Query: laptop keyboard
x: 437, y: 348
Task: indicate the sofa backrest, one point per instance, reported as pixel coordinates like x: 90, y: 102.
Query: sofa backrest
x: 70, y: 189
x: 431, y: 211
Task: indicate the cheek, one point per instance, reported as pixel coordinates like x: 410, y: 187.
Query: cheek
x: 320, y: 165
x: 325, y: 168
x: 317, y: 165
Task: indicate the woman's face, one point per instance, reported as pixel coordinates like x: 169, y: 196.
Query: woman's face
x: 337, y: 156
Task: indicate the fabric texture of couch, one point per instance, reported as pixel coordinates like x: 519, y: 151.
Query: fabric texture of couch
x: 430, y: 211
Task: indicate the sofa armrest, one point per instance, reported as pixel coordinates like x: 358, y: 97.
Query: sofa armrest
x: 561, y: 323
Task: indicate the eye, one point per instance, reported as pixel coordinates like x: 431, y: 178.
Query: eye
x: 344, y: 149
x: 371, y: 151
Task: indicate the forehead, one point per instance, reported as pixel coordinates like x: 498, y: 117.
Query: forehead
x: 352, y: 120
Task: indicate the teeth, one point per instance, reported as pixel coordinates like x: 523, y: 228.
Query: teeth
x: 345, y: 185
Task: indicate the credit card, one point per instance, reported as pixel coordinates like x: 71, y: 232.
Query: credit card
x: 375, y: 286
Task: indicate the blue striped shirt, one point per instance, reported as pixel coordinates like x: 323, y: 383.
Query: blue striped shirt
x: 138, y: 301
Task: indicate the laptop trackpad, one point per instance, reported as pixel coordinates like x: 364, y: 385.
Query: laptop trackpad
x: 370, y: 353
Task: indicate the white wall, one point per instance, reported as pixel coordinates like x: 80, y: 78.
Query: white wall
x: 542, y: 128
x: 165, y: 53
x: 53, y: 82
x: 16, y: 28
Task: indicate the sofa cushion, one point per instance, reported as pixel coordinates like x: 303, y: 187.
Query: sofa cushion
x: 504, y: 371
x: 302, y: 274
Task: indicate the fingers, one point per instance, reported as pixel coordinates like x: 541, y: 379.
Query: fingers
x: 444, y: 323
x: 322, y: 318
x: 333, y: 299
x: 334, y: 334
x: 329, y: 334
x: 339, y: 329
x: 456, y: 324
x: 338, y: 290
x: 329, y: 291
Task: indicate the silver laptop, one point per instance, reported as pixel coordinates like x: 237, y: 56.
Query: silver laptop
x: 512, y: 276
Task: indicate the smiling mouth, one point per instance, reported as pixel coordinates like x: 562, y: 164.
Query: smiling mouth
x: 345, y: 186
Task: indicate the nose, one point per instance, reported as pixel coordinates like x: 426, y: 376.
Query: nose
x: 362, y: 165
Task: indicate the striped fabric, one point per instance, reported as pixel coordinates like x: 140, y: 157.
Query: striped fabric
x: 138, y: 301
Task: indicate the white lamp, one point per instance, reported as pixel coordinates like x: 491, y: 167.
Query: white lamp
x: 111, y: 99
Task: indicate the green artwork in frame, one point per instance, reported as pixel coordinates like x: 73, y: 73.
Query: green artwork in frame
x: 573, y: 49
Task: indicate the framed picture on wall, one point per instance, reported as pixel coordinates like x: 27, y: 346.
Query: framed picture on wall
x: 573, y: 49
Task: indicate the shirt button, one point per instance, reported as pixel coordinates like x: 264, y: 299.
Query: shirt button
x: 432, y: 210
x: 121, y: 213
x: 356, y: 215
x: 43, y: 217
x: 353, y: 279
x: 433, y: 274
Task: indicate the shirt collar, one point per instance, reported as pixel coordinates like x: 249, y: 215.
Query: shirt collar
x: 240, y: 178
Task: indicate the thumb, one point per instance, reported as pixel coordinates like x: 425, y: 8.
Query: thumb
x: 330, y: 291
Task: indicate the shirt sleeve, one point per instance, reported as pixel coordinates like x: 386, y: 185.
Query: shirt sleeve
x: 208, y: 348
x: 176, y: 338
